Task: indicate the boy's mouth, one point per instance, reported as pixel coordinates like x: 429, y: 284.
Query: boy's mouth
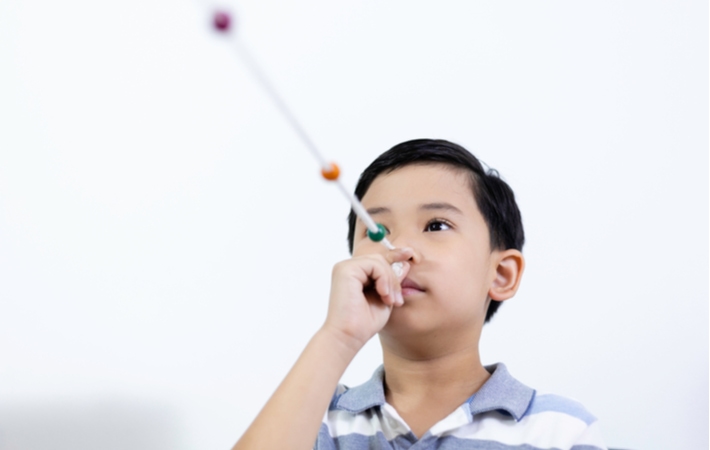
x: 410, y: 287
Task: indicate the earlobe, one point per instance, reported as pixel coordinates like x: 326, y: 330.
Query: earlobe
x: 508, y: 273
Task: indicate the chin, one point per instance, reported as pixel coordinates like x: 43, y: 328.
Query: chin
x: 403, y: 323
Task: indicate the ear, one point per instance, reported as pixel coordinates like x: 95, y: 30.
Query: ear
x: 508, y: 273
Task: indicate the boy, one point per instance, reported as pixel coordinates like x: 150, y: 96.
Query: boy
x: 459, y: 235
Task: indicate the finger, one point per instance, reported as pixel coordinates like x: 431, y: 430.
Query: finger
x: 386, y: 279
x: 377, y: 271
x: 401, y: 269
x: 386, y: 289
x: 398, y: 261
x: 401, y: 274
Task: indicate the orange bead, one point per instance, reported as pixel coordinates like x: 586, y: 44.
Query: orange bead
x: 331, y: 174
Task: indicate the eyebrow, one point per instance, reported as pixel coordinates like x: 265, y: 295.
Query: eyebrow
x: 440, y: 206
x: 378, y: 210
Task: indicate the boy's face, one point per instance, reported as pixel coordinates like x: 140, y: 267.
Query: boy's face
x: 431, y: 209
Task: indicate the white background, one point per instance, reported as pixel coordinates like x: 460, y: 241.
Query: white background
x: 166, y: 241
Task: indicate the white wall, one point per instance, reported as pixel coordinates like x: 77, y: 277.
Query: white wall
x: 166, y: 241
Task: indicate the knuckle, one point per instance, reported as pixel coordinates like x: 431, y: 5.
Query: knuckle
x: 339, y: 266
x: 379, y: 258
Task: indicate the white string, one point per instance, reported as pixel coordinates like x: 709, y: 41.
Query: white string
x: 261, y: 77
x: 362, y: 213
x: 259, y: 74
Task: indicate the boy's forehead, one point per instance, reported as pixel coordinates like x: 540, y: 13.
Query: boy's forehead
x: 423, y: 182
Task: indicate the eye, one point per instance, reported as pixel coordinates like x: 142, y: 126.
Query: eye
x: 437, y: 225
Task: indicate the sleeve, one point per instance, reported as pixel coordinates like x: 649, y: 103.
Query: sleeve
x: 590, y: 439
x: 325, y: 441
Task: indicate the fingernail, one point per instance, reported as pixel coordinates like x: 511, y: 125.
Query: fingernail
x: 400, y: 299
x: 397, y: 268
x: 405, y: 268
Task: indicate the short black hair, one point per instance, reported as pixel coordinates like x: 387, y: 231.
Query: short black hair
x: 495, y: 199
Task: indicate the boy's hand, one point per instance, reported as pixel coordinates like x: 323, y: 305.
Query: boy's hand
x: 364, y: 289
x: 363, y: 293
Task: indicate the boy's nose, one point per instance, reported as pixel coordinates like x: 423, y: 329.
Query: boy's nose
x: 399, y: 242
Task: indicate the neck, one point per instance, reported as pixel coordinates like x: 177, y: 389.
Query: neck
x: 452, y: 371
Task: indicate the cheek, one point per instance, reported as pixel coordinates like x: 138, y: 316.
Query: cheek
x: 358, y: 242
x: 466, y: 279
x: 364, y: 246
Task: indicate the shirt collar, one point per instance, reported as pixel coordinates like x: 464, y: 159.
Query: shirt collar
x: 369, y: 394
x: 500, y: 392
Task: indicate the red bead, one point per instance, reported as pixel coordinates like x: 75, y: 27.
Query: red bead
x: 332, y: 173
x: 222, y: 21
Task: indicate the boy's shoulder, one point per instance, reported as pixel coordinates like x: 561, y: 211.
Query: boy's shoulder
x: 545, y: 402
x: 504, y: 412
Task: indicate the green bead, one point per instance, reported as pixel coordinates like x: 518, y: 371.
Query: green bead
x: 381, y: 233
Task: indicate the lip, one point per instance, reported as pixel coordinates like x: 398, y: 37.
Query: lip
x: 410, y: 287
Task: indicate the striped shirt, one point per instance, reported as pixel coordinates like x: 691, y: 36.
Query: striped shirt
x: 504, y: 414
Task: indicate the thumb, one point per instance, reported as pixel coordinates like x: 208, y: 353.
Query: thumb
x: 398, y: 260
x: 401, y: 269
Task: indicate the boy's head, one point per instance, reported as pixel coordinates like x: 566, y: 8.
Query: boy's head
x: 494, y: 198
